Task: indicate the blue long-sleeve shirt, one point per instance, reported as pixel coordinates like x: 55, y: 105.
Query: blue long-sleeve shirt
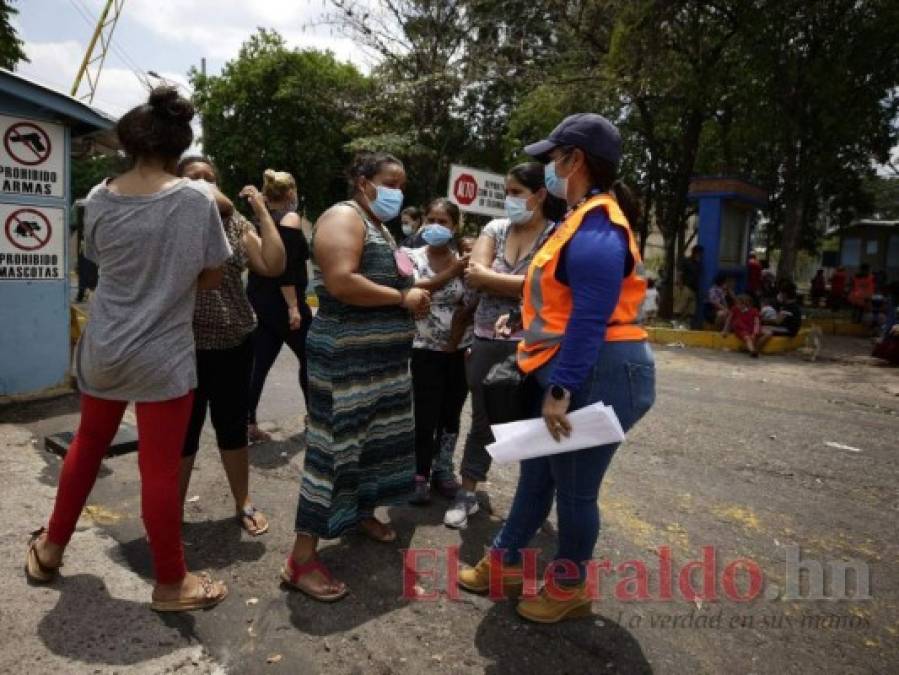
x: 592, y: 265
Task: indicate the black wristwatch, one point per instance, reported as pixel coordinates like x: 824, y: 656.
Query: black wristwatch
x: 558, y: 392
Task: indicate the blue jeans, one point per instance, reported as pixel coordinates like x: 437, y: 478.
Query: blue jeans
x: 624, y: 378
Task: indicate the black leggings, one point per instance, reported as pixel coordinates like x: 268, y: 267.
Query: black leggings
x: 223, y: 385
x: 268, y: 342
x: 440, y: 388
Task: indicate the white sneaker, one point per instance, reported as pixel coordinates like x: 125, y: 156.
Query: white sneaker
x: 466, y: 504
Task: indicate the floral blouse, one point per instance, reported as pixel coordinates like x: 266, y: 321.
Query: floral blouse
x: 433, y: 332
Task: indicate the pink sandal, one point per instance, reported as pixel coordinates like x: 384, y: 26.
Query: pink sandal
x: 293, y: 571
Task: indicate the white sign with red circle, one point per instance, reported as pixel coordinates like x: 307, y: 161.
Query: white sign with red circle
x: 32, y: 243
x: 476, y: 191
x: 32, y: 157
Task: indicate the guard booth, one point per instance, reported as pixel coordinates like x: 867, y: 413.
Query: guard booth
x: 728, y: 212
x: 40, y: 128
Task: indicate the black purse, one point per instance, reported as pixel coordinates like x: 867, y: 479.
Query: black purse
x: 505, y: 392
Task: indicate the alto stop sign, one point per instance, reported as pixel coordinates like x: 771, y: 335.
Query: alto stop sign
x: 465, y: 189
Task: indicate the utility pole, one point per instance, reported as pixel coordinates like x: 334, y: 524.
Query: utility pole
x: 103, y: 34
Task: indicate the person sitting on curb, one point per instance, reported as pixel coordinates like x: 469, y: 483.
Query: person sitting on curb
x: 744, y: 321
x: 684, y: 308
x: 789, y: 311
x: 716, y: 307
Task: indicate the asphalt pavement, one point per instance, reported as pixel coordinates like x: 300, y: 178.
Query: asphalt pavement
x: 753, y: 463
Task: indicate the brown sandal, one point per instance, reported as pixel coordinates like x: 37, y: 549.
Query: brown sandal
x: 36, y: 571
x: 387, y: 533
x: 251, y: 513
x: 293, y: 571
x: 208, y: 594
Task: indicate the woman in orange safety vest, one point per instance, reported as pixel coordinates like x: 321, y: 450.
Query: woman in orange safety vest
x: 582, y: 344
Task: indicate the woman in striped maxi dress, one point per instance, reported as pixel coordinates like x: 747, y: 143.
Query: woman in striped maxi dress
x: 360, y: 445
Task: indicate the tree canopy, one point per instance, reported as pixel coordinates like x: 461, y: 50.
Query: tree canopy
x: 11, y: 51
x: 284, y: 109
x: 800, y: 98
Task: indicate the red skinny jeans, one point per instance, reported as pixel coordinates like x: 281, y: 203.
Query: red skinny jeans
x: 161, y: 427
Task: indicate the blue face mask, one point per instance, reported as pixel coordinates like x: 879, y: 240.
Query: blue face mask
x: 436, y: 235
x: 517, y: 210
x: 556, y: 186
x: 388, y: 203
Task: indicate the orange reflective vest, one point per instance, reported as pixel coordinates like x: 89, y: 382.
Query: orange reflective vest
x: 547, y: 302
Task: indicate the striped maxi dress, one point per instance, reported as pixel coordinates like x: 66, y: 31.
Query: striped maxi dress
x: 360, y: 437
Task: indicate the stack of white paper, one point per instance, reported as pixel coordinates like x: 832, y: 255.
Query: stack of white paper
x: 593, y: 425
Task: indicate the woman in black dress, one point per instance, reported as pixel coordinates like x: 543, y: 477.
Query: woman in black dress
x: 283, y: 317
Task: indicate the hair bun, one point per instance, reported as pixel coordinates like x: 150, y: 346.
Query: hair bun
x: 166, y: 101
x: 276, y: 184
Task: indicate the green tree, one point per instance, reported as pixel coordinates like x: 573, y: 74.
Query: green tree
x: 274, y: 107
x: 450, y: 73
x: 661, y: 70
x: 883, y: 194
x: 413, y: 108
x: 11, y: 51
x: 89, y: 171
x: 673, y: 66
x: 820, y: 105
x: 798, y: 97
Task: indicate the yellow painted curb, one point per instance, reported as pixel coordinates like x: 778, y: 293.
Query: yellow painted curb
x: 711, y: 339
x: 839, y: 327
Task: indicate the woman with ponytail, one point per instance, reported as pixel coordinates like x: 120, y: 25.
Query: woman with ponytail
x: 582, y: 344
x: 499, y: 261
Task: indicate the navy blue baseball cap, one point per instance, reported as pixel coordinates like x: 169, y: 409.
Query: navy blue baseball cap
x: 592, y: 133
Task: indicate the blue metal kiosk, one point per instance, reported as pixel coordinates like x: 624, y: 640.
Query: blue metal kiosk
x: 728, y: 211
x: 38, y: 129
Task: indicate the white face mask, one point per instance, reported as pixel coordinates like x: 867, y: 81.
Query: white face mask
x: 517, y: 210
x: 408, y: 229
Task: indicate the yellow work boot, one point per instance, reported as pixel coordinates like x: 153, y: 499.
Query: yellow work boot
x: 571, y: 602
x: 477, y: 579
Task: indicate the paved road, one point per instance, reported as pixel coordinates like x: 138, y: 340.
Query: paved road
x: 734, y: 456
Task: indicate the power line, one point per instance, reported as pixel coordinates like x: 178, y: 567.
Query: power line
x: 127, y: 61
x: 119, y: 51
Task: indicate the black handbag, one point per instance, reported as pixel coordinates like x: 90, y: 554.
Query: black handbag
x: 505, y: 392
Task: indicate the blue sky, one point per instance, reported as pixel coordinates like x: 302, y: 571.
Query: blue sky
x: 165, y: 36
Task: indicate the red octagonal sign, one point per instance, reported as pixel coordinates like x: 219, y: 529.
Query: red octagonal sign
x: 465, y: 189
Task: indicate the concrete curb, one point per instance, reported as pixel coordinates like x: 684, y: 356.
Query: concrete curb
x: 711, y: 339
